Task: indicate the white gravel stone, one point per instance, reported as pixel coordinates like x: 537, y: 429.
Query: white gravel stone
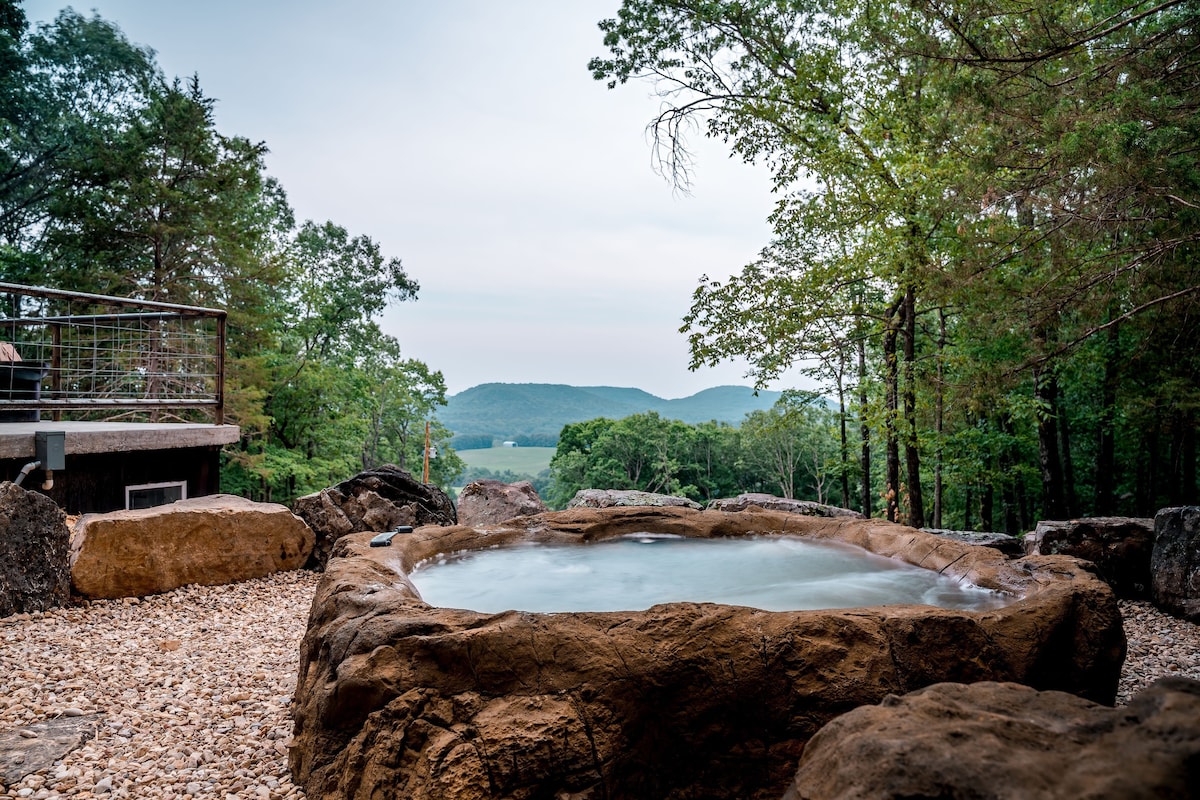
x: 1159, y: 646
x: 193, y: 686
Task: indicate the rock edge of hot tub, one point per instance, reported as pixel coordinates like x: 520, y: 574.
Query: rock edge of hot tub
x: 396, y: 698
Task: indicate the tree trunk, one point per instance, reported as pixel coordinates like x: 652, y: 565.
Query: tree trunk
x: 1024, y: 512
x: 912, y: 452
x: 1181, y: 484
x: 891, y: 408
x: 1146, y: 488
x: 845, y: 444
x: 1054, y: 502
x: 1064, y: 437
x: 939, y: 410
x: 1187, y: 491
x: 864, y: 431
x: 1012, y: 492
x: 1011, y: 505
x: 986, y: 502
x: 1106, y: 462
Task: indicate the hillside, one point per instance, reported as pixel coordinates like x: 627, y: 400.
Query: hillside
x: 540, y: 410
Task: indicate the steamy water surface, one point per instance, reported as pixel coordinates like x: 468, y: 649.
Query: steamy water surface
x: 631, y: 573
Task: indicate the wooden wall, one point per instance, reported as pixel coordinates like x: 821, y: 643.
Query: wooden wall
x: 96, y: 482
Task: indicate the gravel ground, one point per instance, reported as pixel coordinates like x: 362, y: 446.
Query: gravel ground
x: 1159, y: 645
x: 194, y: 687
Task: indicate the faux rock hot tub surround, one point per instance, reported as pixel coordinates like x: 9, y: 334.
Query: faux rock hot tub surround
x: 397, y: 699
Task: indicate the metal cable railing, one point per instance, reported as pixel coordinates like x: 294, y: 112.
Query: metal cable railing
x: 72, y: 351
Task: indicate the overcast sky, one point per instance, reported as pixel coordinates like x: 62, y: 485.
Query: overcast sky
x: 468, y: 138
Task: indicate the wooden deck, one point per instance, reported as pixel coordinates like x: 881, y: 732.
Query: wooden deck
x: 17, y: 438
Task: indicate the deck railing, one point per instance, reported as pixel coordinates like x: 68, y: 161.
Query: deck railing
x: 72, y: 351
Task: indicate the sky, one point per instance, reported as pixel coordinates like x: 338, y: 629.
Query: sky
x: 468, y: 139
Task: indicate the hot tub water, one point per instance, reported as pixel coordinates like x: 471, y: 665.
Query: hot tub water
x: 774, y: 573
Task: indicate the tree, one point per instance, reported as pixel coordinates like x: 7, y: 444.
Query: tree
x: 67, y: 84
x: 1091, y: 200
x: 958, y: 177
x: 339, y: 395
x: 793, y: 446
x: 399, y: 395
x: 164, y: 209
x: 115, y: 180
x: 716, y: 465
x: 853, y: 131
x: 572, y: 457
x: 641, y: 451
x: 340, y: 282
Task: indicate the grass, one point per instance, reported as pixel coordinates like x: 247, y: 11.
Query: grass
x: 521, y: 460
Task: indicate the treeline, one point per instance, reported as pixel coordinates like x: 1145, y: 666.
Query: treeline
x: 115, y: 180
x: 790, y: 450
x: 986, y: 242
x: 532, y: 414
x: 483, y: 441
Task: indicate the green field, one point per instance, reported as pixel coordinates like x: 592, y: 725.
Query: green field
x: 521, y: 460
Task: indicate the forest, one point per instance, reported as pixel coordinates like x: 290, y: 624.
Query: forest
x: 984, y: 249
x: 985, y: 240
x: 789, y: 450
x: 114, y: 180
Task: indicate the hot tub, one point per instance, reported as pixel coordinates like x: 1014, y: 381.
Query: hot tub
x: 398, y: 698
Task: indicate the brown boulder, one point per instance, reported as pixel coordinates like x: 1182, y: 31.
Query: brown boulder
x: 770, y: 502
x: 1120, y: 547
x: 204, y: 540
x: 488, y: 502
x: 1003, y: 740
x: 376, y: 500
x: 396, y: 698
x: 35, y: 572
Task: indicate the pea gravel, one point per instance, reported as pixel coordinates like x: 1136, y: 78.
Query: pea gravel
x: 193, y: 687
x: 1159, y: 646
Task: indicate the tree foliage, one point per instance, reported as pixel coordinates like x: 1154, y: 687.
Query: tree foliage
x: 991, y: 208
x: 788, y: 450
x: 115, y: 180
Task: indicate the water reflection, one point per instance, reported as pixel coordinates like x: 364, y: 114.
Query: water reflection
x: 774, y: 573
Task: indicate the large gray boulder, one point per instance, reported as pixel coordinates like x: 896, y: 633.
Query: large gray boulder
x: 1175, y: 562
x: 375, y: 500
x: 1007, y: 741
x: 1009, y: 545
x: 488, y: 502
x: 35, y: 572
x: 770, y: 502
x: 627, y: 498
x: 1119, y: 547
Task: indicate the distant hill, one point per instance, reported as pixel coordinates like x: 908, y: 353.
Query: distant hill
x: 537, y: 412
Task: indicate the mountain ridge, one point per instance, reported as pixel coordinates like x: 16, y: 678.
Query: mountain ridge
x: 538, y: 411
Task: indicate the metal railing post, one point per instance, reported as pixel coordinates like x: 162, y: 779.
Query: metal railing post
x: 56, y: 367
x: 220, y: 414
